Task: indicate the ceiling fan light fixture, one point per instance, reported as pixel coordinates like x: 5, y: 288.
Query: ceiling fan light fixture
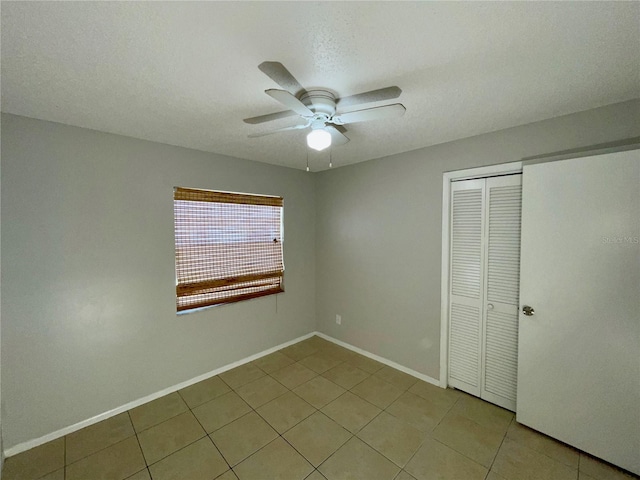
x: 319, y: 139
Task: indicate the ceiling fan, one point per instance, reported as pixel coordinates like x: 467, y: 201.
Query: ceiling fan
x: 320, y: 109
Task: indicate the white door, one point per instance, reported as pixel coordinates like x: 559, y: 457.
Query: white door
x: 485, y: 266
x: 579, y: 353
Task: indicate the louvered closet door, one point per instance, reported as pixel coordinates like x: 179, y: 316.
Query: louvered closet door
x: 500, y: 349
x: 484, y: 287
x: 466, y: 285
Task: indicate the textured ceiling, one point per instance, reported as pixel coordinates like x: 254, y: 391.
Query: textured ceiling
x: 185, y: 73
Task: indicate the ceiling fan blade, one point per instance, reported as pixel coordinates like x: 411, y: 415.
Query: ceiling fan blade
x: 337, y: 137
x: 288, y: 100
x: 262, y: 134
x: 279, y: 74
x: 369, y: 97
x: 269, y: 117
x: 367, y: 114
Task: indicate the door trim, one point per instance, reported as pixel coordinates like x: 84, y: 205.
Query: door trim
x: 447, y: 178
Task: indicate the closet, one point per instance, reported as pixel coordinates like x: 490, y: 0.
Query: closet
x: 484, y: 266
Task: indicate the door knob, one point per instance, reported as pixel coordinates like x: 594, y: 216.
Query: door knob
x: 528, y: 311
x: 490, y: 306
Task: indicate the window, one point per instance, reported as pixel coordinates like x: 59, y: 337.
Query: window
x: 228, y: 247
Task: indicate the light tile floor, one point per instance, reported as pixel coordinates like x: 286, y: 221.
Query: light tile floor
x: 313, y: 411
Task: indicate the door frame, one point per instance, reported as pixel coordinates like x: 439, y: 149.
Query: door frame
x: 447, y: 179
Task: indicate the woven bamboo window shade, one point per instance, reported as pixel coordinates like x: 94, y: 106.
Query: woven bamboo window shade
x: 228, y: 247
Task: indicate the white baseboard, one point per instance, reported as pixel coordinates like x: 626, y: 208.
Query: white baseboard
x: 21, y: 447
x: 386, y: 361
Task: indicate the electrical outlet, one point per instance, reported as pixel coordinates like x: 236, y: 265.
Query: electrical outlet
x: 339, y: 319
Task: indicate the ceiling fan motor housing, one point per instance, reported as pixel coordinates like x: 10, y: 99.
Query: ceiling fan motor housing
x: 320, y: 102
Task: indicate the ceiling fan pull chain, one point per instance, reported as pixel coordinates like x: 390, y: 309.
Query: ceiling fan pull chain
x: 330, y: 159
x: 307, y: 150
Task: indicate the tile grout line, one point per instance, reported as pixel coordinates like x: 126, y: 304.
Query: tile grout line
x: 355, y: 435
x: 339, y: 447
x: 369, y: 375
x: 493, y: 461
x: 428, y: 434
x: 139, y: 444
x: 97, y: 451
x: 254, y: 410
x: 206, y: 434
x: 221, y: 455
x: 580, y: 455
x: 317, y: 410
x: 467, y: 456
x: 175, y: 451
x: 544, y: 454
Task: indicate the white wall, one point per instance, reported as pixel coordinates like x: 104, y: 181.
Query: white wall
x: 88, y: 280
x: 379, y: 232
